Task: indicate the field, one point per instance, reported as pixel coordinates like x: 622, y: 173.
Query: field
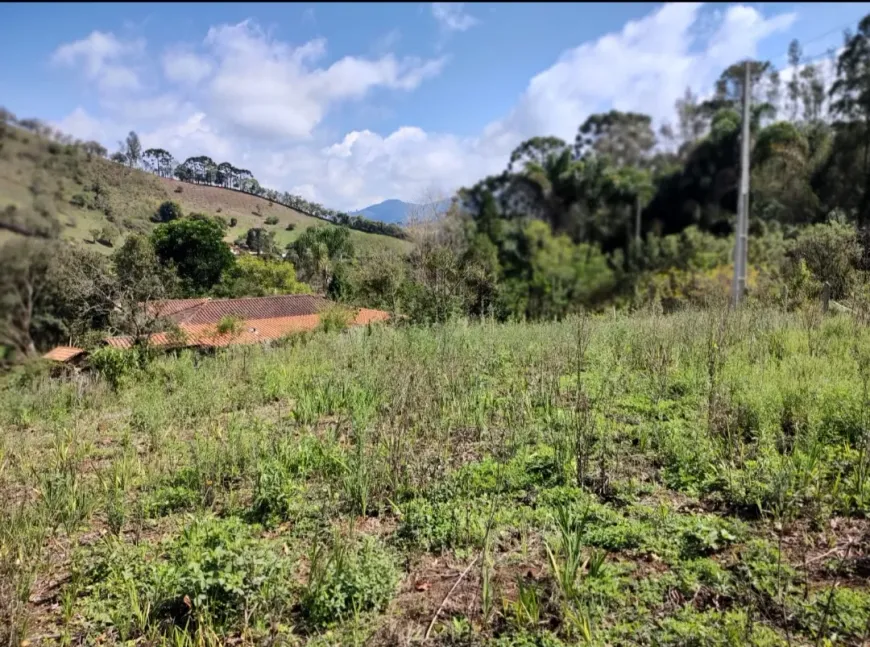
x: 34, y: 169
x: 701, y: 478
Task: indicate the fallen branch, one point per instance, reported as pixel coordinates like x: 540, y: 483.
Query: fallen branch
x: 449, y: 593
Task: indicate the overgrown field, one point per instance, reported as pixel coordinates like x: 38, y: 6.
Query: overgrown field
x: 701, y: 478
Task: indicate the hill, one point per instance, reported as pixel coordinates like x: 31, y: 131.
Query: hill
x: 397, y: 211
x: 49, y: 188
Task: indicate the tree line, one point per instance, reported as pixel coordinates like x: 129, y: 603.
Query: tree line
x: 624, y: 215
x: 200, y: 169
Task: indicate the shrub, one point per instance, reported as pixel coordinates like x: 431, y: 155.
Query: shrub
x: 335, y: 319
x: 215, y: 570
x: 290, y: 226
x: 272, y: 220
x: 234, y: 222
x: 114, y: 364
x: 167, y: 212
x: 79, y: 200
x: 347, y: 578
x: 179, y: 189
x: 831, y: 252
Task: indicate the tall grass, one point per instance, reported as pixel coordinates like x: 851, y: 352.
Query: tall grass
x: 551, y: 445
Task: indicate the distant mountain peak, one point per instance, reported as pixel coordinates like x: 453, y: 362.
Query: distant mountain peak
x: 397, y: 211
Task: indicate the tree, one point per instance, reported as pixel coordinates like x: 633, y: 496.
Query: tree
x: 50, y: 293
x: 159, y: 161
x: 691, y: 125
x: 536, y: 150
x: 625, y: 138
x: 261, y: 241
x: 131, y: 149
x: 94, y: 148
x: 197, y: 250
x: 24, y: 283
x: 252, y: 276
x: 793, y: 87
x: 168, y: 211
x: 850, y: 102
x: 318, y: 251
x: 140, y: 280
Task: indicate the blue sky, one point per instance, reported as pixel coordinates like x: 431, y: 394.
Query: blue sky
x: 350, y: 104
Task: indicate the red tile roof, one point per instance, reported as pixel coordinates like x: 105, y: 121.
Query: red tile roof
x: 251, y: 331
x: 198, y: 319
x: 211, y: 311
x: 63, y: 353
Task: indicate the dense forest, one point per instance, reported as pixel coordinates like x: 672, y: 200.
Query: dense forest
x: 625, y: 215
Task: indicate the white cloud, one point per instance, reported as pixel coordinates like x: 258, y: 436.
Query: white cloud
x: 263, y: 92
x: 82, y: 126
x: 185, y: 67
x: 100, y: 56
x: 644, y: 67
x: 195, y: 134
x: 139, y: 110
x: 267, y: 88
x: 452, y: 17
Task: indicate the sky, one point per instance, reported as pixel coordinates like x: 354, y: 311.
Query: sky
x: 352, y: 104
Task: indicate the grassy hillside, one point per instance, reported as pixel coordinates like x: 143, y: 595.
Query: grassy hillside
x: 696, y: 479
x: 44, y: 181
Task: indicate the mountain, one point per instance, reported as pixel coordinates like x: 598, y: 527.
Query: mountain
x: 396, y: 211
x: 52, y: 189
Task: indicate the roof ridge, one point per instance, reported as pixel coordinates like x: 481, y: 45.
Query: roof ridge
x: 268, y: 296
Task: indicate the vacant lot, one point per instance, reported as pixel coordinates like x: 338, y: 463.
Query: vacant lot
x: 697, y: 479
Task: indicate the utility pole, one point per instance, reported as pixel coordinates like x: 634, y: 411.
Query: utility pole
x: 742, y: 231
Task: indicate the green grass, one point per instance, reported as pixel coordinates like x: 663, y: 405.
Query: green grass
x: 693, y: 479
x: 132, y: 197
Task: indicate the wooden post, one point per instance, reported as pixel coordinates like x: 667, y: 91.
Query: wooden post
x: 826, y: 297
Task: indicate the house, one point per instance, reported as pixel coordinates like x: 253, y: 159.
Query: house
x: 260, y: 319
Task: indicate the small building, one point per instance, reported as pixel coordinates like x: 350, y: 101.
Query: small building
x: 262, y: 319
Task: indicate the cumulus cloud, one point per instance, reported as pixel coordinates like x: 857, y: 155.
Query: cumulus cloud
x: 83, y: 126
x: 100, y: 56
x: 185, y: 67
x: 263, y: 100
x: 452, y: 16
x: 644, y: 67
x: 195, y: 134
x: 270, y: 89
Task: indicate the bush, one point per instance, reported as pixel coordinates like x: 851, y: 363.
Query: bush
x: 234, y: 222
x: 213, y: 571
x: 831, y: 252
x: 335, y: 319
x: 79, y: 200
x: 114, y: 364
x: 179, y: 189
x: 272, y: 220
x: 290, y: 226
x: 167, y: 212
x: 347, y: 578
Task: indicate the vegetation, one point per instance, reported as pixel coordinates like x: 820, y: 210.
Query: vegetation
x: 54, y: 187
x: 566, y: 438
x: 698, y: 478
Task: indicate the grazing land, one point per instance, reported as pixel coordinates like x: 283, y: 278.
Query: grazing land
x: 45, y: 181
x: 701, y: 478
